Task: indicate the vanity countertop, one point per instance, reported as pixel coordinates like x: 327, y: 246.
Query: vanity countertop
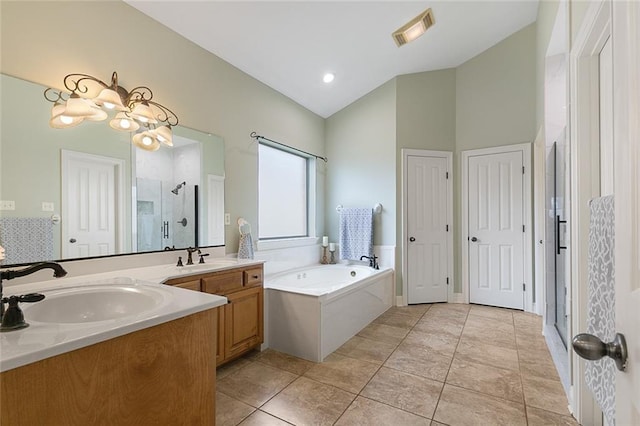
x: 43, y: 340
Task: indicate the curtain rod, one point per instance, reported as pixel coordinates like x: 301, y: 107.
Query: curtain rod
x: 257, y: 136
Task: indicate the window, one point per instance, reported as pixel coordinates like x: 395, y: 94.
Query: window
x: 283, y: 193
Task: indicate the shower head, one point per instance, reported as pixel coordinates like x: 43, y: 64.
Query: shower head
x: 177, y: 188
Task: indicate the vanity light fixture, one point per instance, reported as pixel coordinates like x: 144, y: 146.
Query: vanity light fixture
x: 414, y: 28
x: 135, y: 110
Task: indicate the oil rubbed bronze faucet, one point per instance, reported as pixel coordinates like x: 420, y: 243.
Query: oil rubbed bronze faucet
x: 13, y: 318
x: 373, y: 261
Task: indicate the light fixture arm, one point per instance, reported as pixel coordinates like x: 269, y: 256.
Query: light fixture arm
x: 55, y: 96
x: 143, y: 94
x: 77, y: 82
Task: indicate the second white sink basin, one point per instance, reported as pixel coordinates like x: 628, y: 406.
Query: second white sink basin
x: 94, y: 303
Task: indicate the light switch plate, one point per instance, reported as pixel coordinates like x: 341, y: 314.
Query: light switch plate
x: 47, y: 206
x: 7, y: 205
x: 227, y: 219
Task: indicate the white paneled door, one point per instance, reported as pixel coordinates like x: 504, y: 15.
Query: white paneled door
x: 496, y: 229
x: 427, y: 229
x: 89, y: 226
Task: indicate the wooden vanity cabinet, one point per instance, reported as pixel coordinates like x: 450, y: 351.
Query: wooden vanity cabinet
x: 241, y: 320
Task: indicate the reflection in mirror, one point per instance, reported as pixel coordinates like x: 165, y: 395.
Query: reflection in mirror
x: 84, y: 191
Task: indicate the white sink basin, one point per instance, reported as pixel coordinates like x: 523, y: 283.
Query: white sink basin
x: 88, y: 304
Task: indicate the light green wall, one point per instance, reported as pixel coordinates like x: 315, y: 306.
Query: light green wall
x: 361, y: 146
x: 44, y: 41
x: 425, y: 119
x: 426, y: 110
x: 495, y: 94
x: 577, y: 10
x: 547, y: 11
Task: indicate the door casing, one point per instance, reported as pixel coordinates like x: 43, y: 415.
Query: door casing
x: 525, y: 148
x: 406, y: 153
x: 585, y: 185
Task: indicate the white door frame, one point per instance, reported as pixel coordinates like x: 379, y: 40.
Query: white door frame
x: 525, y: 148
x: 585, y: 184
x: 406, y: 153
x: 539, y: 222
x: 118, y: 168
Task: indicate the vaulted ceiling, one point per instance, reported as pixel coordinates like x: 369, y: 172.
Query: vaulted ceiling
x: 290, y: 45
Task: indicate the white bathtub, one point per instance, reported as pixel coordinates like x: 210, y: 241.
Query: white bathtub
x: 314, y: 310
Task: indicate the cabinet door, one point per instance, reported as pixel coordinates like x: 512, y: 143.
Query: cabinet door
x: 220, y: 352
x: 244, y: 321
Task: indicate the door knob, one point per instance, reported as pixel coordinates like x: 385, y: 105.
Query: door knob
x: 72, y: 240
x: 474, y: 239
x: 412, y: 239
x: 591, y: 348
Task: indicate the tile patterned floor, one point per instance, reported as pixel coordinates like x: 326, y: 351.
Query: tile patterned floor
x: 443, y: 364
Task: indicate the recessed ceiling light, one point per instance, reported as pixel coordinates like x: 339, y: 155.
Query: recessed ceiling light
x: 414, y: 28
x: 328, y: 77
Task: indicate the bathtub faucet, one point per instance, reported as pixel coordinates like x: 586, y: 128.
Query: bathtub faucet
x: 373, y: 261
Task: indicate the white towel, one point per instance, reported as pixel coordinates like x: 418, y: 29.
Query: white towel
x: 600, y: 375
x: 26, y: 239
x: 356, y: 233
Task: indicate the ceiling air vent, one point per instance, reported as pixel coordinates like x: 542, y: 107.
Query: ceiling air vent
x: 414, y: 28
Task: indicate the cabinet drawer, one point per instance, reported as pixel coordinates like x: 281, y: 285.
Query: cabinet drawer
x: 222, y: 283
x: 253, y: 277
x: 189, y: 285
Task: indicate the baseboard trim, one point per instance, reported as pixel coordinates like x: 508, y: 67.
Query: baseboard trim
x: 400, y: 301
x: 457, y: 298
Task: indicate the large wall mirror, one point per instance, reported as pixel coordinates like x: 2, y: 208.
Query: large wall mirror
x: 87, y: 191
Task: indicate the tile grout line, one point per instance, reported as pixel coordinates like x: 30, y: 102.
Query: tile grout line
x: 435, y: 410
x: 380, y: 367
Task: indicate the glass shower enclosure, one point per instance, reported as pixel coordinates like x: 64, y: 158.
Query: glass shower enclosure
x: 165, y: 199
x: 166, y: 214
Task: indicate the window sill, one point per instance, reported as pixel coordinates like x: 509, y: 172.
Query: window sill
x: 287, y: 243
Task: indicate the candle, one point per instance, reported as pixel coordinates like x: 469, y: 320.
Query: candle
x: 325, y: 241
x: 332, y: 247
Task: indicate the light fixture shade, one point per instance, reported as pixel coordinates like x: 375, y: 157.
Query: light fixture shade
x: 143, y: 112
x: 123, y: 122
x: 98, y: 115
x: 164, y: 135
x: 60, y: 121
x: 110, y: 99
x: 79, y: 107
x: 145, y: 140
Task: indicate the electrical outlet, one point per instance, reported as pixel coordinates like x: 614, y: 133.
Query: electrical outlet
x: 47, y: 206
x: 227, y: 219
x: 7, y: 205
